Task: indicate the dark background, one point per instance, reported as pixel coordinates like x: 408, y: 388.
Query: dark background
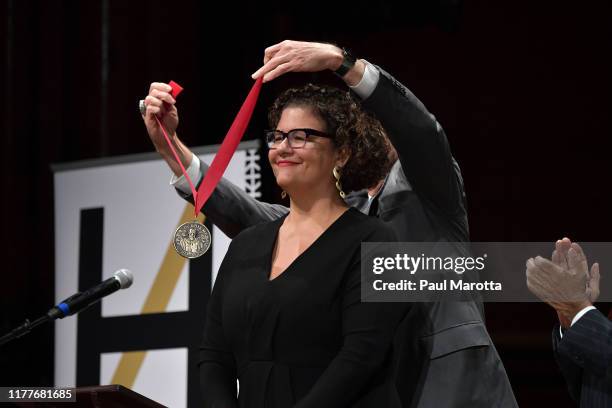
x: 521, y: 87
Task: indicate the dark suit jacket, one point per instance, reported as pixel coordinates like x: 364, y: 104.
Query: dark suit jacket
x: 584, y: 355
x: 445, y: 355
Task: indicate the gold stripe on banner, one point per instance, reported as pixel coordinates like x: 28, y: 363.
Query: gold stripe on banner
x: 128, y: 368
x: 156, y: 302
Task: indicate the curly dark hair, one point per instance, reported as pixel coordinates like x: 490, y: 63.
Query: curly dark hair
x: 352, y: 129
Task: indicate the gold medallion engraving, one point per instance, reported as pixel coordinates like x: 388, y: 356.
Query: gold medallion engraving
x: 191, y: 239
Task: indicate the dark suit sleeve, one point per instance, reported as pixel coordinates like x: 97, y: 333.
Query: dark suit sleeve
x: 420, y: 142
x: 231, y: 209
x: 572, y: 372
x: 367, y: 330
x: 588, y: 344
x: 216, y: 363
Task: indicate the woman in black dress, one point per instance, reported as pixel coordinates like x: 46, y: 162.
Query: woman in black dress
x: 285, y: 317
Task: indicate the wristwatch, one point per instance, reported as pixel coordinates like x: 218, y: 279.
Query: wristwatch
x: 348, y: 61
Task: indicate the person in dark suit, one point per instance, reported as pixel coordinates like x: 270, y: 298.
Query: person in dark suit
x: 582, y: 342
x: 444, y: 355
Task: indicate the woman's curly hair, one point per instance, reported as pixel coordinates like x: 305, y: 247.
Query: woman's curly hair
x: 352, y: 129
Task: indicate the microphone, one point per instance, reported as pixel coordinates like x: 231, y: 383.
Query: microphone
x: 122, y: 279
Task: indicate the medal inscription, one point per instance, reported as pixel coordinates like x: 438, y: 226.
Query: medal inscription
x: 191, y: 240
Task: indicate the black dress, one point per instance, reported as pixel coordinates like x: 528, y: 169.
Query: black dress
x: 303, y: 339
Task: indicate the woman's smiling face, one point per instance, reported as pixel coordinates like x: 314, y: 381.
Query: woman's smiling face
x: 305, y: 167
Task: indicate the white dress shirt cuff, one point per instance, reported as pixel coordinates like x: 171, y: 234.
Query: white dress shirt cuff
x: 577, y: 317
x: 368, y: 82
x: 581, y: 313
x: 193, y: 170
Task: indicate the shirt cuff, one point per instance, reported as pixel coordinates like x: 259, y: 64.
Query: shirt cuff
x: 193, y: 170
x: 368, y: 82
x: 582, y: 313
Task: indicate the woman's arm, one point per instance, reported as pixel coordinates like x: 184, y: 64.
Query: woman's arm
x: 216, y: 363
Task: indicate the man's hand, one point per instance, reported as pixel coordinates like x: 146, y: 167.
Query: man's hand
x: 300, y: 56
x: 565, y: 282
x: 159, y: 102
x: 560, y: 257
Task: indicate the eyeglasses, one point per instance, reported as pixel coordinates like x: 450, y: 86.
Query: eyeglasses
x: 297, y: 137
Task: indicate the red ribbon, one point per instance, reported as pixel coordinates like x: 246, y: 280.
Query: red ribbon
x: 226, y: 151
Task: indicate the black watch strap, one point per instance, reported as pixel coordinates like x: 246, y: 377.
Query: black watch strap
x: 348, y: 61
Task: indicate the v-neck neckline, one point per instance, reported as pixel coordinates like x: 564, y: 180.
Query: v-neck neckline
x: 276, y: 231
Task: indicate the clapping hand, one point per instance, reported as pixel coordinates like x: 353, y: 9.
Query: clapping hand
x: 564, y: 282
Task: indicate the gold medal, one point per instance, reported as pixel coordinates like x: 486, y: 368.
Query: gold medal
x: 191, y: 239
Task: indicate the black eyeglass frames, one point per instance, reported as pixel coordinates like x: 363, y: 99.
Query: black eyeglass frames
x: 297, y: 137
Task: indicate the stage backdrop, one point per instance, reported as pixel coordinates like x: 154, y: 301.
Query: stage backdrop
x: 121, y: 213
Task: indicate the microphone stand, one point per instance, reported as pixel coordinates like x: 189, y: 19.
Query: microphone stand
x: 27, y: 326
x: 24, y: 329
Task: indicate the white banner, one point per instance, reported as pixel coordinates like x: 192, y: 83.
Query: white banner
x: 121, y: 213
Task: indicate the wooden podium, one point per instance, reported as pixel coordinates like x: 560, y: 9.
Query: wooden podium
x: 103, y: 396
